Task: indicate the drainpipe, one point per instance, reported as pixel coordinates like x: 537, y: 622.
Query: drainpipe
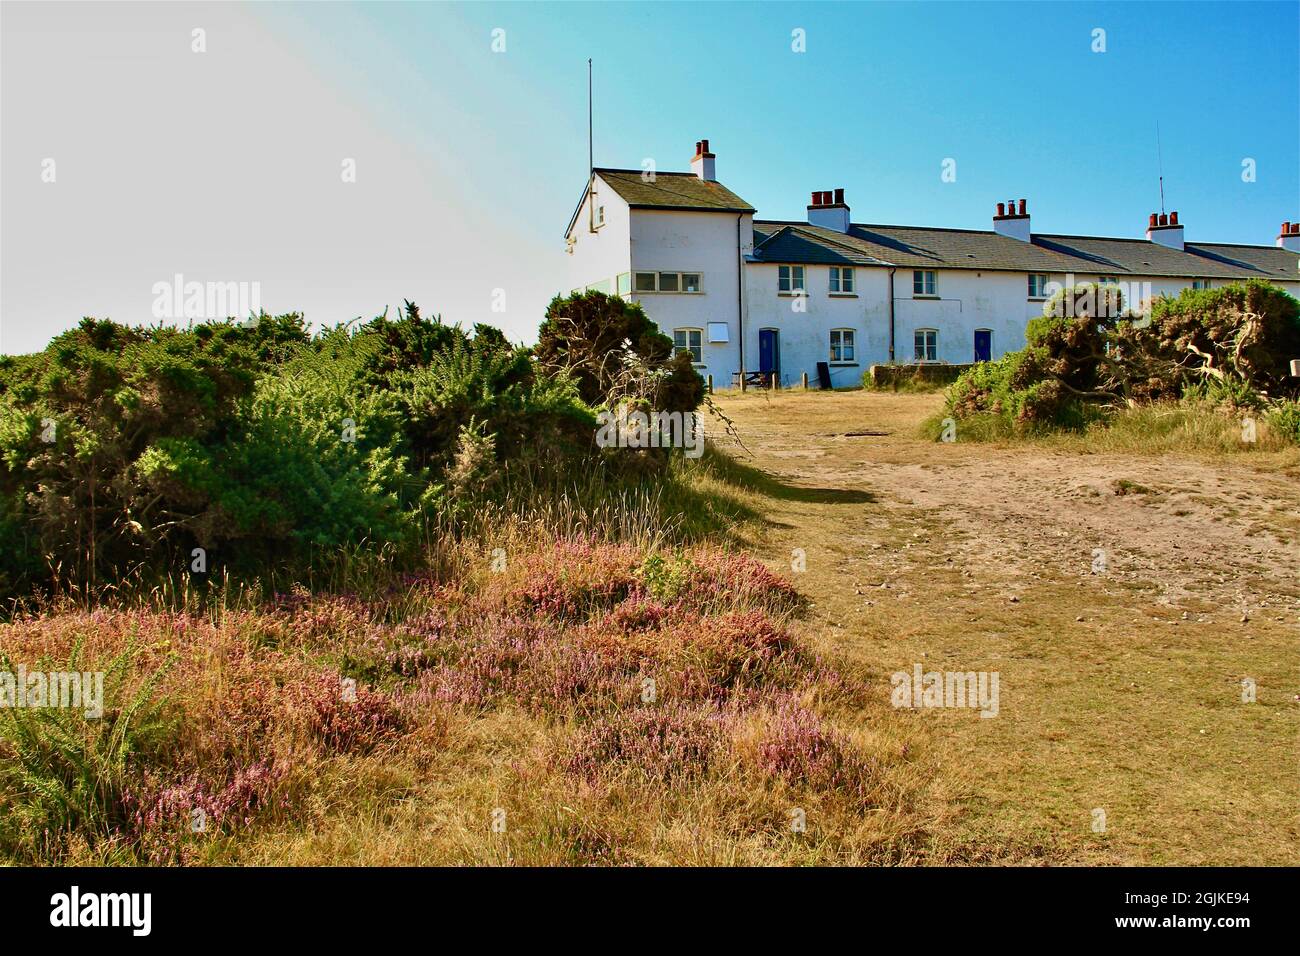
x: 891, y: 315
x: 740, y: 309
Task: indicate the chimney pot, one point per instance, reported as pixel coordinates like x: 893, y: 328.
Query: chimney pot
x: 704, y: 146
x: 1164, y: 219
x: 815, y: 198
x: 1295, y: 228
x: 1173, y: 218
x: 1022, y: 208
x: 839, y: 196
x: 1153, y: 221
x: 826, y: 198
x: 1002, y: 209
x: 1286, y: 228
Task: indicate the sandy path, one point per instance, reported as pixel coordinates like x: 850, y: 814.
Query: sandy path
x: 1138, y: 591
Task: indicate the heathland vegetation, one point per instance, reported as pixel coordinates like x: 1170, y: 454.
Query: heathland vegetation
x: 1210, y: 366
x: 335, y: 582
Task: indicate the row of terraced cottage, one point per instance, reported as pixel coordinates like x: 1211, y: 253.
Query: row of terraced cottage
x: 778, y: 298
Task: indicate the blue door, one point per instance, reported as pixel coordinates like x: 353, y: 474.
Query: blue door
x: 983, y: 345
x: 769, y: 351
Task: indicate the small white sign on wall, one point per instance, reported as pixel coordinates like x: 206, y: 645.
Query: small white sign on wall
x: 718, y: 332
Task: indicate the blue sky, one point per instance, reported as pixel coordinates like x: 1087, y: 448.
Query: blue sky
x: 470, y: 162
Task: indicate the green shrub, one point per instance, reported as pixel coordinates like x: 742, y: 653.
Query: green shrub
x: 603, y: 341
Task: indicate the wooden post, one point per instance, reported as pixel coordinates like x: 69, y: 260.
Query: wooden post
x: 1295, y: 367
x: 774, y: 381
x: 804, y: 381
x: 742, y: 379
x: 710, y: 383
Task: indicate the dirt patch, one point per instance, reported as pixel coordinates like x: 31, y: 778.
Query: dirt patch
x: 1123, y: 598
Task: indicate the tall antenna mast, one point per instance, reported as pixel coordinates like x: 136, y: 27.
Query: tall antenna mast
x: 591, y: 163
x: 1160, y: 167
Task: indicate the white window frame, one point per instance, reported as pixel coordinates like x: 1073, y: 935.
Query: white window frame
x: 928, y: 279
x: 1107, y: 280
x: 789, y: 280
x: 851, y: 346
x: 841, y: 281
x: 930, y: 345
x: 697, y: 350
x: 1041, y: 291
x: 699, y: 283
x: 636, y: 280
x: 600, y: 216
x: 1199, y: 284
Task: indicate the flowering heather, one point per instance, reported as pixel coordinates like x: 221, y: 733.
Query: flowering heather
x: 536, y: 664
x: 707, y: 580
x: 797, y: 746
x: 164, y: 819
x: 571, y: 581
x: 344, y: 725
x: 563, y: 645
x: 662, y: 744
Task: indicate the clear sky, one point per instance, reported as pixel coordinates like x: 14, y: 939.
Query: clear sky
x: 227, y: 165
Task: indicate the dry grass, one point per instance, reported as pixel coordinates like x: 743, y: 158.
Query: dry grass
x: 1120, y: 690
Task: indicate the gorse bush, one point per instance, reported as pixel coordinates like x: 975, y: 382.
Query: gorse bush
x: 1085, y: 357
x: 122, y: 450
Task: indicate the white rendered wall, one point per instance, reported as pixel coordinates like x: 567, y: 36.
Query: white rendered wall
x: 703, y: 242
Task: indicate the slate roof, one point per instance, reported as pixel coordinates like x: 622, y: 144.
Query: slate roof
x: 921, y: 247
x: 680, y: 191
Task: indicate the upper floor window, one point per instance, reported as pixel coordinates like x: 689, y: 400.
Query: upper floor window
x: 790, y: 279
x: 691, y: 341
x: 841, y: 345
x: 600, y: 216
x: 1037, y: 286
x: 926, y: 345
x: 667, y: 282
x: 841, y: 279
x: 925, y: 282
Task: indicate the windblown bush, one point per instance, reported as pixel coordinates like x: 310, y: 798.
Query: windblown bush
x: 597, y: 338
x: 1230, y: 345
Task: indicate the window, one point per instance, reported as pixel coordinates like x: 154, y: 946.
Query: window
x: 624, y: 281
x: 600, y: 216
x: 1037, y: 286
x: 690, y: 340
x: 790, y: 279
x: 1107, y: 280
x: 927, y: 345
x: 841, y: 345
x: 667, y: 282
x: 925, y: 283
x: 1201, y: 284
x: 842, y: 279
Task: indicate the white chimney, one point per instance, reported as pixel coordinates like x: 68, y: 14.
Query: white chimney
x: 1165, y: 230
x: 703, y: 165
x: 1007, y: 221
x: 1289, y: 237
x: 829, y: 211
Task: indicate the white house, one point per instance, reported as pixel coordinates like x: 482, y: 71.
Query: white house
x: 780, y: 297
